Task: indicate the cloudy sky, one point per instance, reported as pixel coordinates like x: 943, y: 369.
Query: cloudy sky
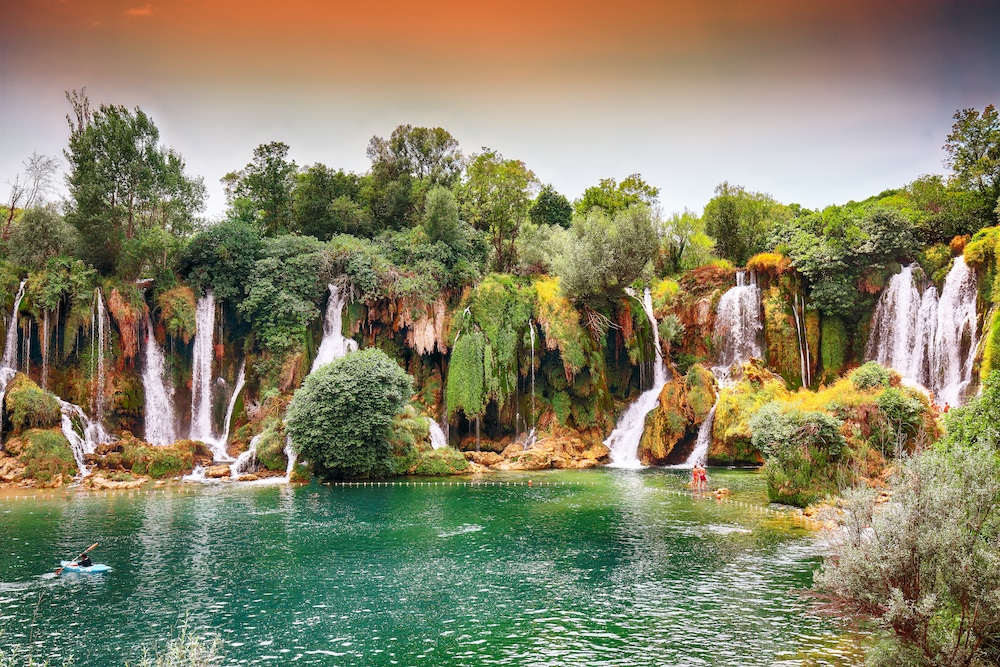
x: 815, y: 102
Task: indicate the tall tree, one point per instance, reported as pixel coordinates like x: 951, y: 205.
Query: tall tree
x: 496, y: 197
x: 122, y: 181
x: 739, y: 221
x: 973, y: 149
x: 551, y: 208
x: 325, y: 203
x: 612, y: 197
x: 679, y: 233
x: 30, y: 188
x: 263, y: 189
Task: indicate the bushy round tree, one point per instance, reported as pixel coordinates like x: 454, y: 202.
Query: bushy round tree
x: 340, y: 419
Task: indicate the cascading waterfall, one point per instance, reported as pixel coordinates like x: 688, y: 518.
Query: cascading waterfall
x: 738, y: 324
x: 531, y: 333
x: 438, y: 438
x: 699, y: 455
x: 334, y: 344
x: 8, y: 365
x: 101, y: 322
x: 805, y: 362
x: 247, y: 461
x: 624, y: 440
x: 930, y: 340
x: 201, y: 369
x: 220, y: 443
x: 91, y: 433
x: 161, y: 423
x: 45, y: 350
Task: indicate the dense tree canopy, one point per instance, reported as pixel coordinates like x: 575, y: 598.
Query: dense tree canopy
x: 739, y: 221
x: 261, y: 192
x: 612, y: 197
x: 973, y: 149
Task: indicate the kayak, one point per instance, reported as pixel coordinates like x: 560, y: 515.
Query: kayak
x: 96, y: 568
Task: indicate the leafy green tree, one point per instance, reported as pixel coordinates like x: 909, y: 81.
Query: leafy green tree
x: 325, y: 203
x: 121, y: 181
x: 440, y: 221
x: 222, y: 258
x: 263, y: 189
x: 423, y: 153
x: 683, y: 238
x: 605, y: 254
x: 496, y: 198
x: 340, y: 419
x: 551, y: 208
x: 973, y: 149
x: 612, y: 197
x: 38, y: 235
x: 740, y: 221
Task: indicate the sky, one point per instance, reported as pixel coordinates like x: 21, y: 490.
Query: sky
x: 814, y: 102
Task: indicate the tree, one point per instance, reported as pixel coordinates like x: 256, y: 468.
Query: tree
x: 40, y: 234
x: 551, y: 208
x: 496, y: 197
x: 680, y: 234
x: 29, y: 189
x: 612, y: 197
x: 740, y: 221
x: 122, y: 181
x: 263, y: 188
x: 340, y: 419
x: 441, y: 217
x: 222, y: 259
x: 605, y: 254
x: 325, y: 204
x: 423, y: 153
x: 973, y: 149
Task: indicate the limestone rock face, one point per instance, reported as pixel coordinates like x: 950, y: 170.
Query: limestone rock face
x: 483, y: 458
x: 217, y: 472
x: 11, y: 470
x: 672, y: 426
x: 99, y: 483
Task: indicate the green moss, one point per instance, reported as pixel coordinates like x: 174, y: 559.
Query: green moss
x: 156, y: 462
x: 561, y: 324
x: 30, y: 406
x: 47, y: 455
x: 466, y: 381
x: 443, y: 461
x: 991, y: 352
x: 833, y: 346
x: 562, y: 404
x: 699, y: 387
x: 781, y: 338
x: 271, y: 446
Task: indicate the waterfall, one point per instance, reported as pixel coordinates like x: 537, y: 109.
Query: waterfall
x: 531, y: 333
x: 738, y: 324
x: 292, y: 458
x: 85, y: 441
x: 247, y: 461
x: 624, y: 440
x: 805, y: 363
x: 219, y: 444
x: 438, y: 438
x: 160, y: 421
x: 45, y: 350
x: 201, y: 369
x: 8, y: 365
x: 101, y: 321
x: 334, y: 345
x: 699, y: 455
x: 929, y: 340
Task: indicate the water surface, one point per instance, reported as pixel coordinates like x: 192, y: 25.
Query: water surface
x: 606, y: 567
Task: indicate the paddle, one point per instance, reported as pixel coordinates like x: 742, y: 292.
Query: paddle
x: 85, y: 551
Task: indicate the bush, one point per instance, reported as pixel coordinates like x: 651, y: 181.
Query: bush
x: 156, y: 462
x: 30, y: 406
x: 870, y: 376
x: 340, y: 419
x: 444, y: 461
x: 47, y: 455
x: 177, y: 311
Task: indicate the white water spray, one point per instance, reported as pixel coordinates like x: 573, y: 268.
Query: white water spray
x: 201, y: 369
x: 334, y: 344
x: 738, y: 325
x: 160, y: 420
x: 438, y: 438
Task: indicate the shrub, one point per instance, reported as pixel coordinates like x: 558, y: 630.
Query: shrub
x: 870, y: 376
x: 47, y: 455
x: 340, y: 419
x: 30, y: 406
x: 444, y: 461
x: 177, y: 311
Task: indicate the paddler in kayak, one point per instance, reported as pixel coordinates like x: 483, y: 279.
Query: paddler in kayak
x: 83, y: 560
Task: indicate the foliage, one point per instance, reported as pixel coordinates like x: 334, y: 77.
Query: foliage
x: 178, y: 312
x: 684, y: 242
x: 30, y: 406
x: 740, y: 221
x: 325, y: 203
x: 443, y: 461
x: 612, y: 197
x: 973, y: 149
x: 495, y: 198
x: 156, y: 462
x: 550, y: 208
x: 283, y: 289
x: 976, y: 424
x: 561, y: 324
x: 221, y: 258
x: 833, y: 345
x: 604, y: 254
x: 186, y: 650
x: 121, y: 181
x: 440, y: 221
x: 341, y: 416
x: 924, y: 564
x: 271, y: 445
x: 772, y: 264
x: 261, y: 192
x: 39, y: 235
x: 870, y: 376
x: 47, y: 455
x: 466, y: 390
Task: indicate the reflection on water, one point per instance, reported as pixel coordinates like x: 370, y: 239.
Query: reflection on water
x: 606, y: 568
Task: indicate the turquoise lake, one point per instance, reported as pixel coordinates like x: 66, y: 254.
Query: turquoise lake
x: 603, y: 567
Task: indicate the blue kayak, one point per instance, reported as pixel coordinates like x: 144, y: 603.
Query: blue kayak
x: 96, y: 568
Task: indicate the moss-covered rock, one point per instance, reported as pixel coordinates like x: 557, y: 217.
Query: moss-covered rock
x: 443, y: 461
x: 28, y: 406
x: 780, y: 337
x: 144, y: 459
x: 46, y: 456
x: 834, y: 343
x: 672, y: 425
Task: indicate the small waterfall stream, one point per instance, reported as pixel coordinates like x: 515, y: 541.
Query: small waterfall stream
x: 928, y: 339
x: 101, y: 322
x: 334, y: 344
x: 805, y: 362
x: 201, y: 369
x: 8, y: 366
x: 738, y: 324
x: 438, y: 438
x: 160, y: 419
x: 624, y: 440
